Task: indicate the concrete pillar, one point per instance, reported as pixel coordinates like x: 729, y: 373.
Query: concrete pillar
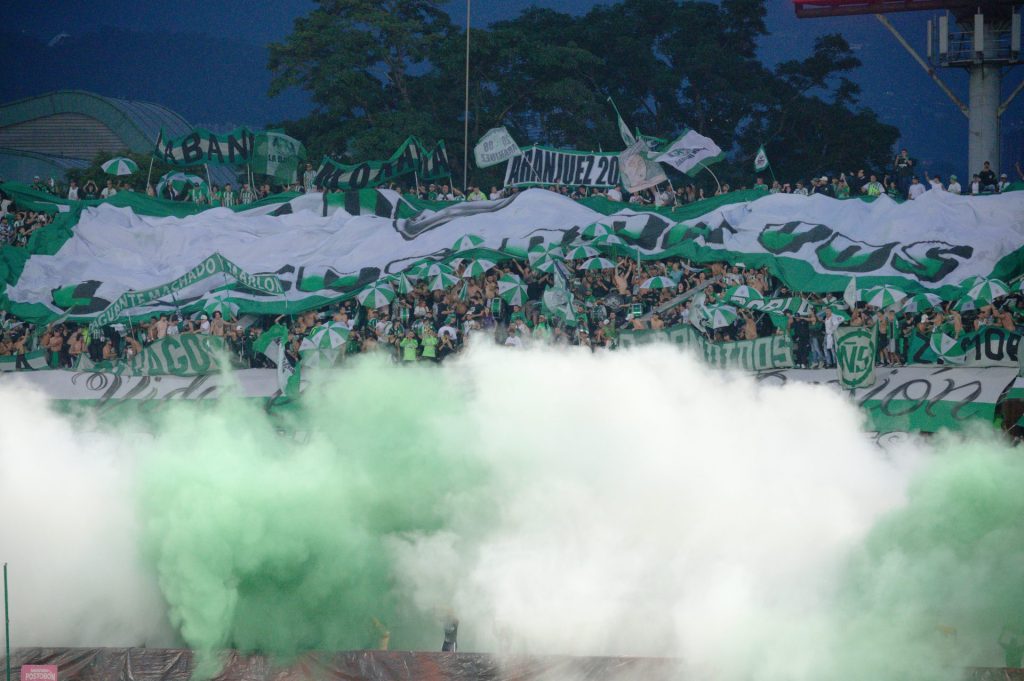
x: 983, y: 128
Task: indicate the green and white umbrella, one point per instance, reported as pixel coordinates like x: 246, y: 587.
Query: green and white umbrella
x: 377, y: 294
x: 594, y: 230
x: 609, y: 241
x: 418, y: 270
x: 467, y: 242
x: 595, y: 264
x: 742, y: 295
x: 179, y: 182
x: 313, y: 355
x: 511, y: 289
x: 966, y: 304
x: 655, y: 283
x: 545, y: 250
x: 329, y: 336
x: 437, y: 268
x: 718, y: 316
x: 922, y: 302
x: 220, y: 304
x: 947, y: 348
x: 546, y: 264
x: 987, y: 290
x: 402, y: 282
x: 881, y: 296
x: 120, y: 165
x: 476, y: 268
x: 581, y: 252
x: 441, y: 281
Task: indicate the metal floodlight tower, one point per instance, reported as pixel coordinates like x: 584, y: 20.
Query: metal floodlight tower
x: 981, y: 36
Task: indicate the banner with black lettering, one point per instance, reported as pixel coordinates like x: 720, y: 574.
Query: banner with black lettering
x: 412, y: 157
x: 539, y: 166
x: 201, y: 147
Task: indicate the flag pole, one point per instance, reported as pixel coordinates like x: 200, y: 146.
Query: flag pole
x: 465, y: 122
x: 712, y: 175
x: 7, y: 627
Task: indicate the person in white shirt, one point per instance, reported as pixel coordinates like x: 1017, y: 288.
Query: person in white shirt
x: 495, y: 194
x: 108, y: 191
x: 73, y: 191
x: 204, y: 325
x: 954, y: 186
x: 832, y: 322
x: 916, y: 188
x: 1004, y: 183
x: 513, y: 340
x: 935, y: 182
x: 614, y: 194
x: 975, y: 184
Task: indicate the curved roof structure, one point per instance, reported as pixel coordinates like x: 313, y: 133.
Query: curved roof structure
x: 74, y: 126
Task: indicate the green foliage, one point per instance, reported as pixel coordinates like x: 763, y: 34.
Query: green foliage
x: 379, y: 71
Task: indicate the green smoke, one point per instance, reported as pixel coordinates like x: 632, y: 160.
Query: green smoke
x: 269, y: 535
x: 936, y: 582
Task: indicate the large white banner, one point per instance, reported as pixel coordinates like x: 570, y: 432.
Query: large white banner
x: 689, y: 152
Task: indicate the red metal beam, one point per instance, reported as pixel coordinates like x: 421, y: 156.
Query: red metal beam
x: 810, y: 9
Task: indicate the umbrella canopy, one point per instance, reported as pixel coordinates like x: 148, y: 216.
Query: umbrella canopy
x: 658, y: 283
x: 742, y: 295
x: 467, y: 242
x: 120, y: 165
x: 594, y: 230
x: 987, y: 290
x: 947, y: 348
x: 434, y: 269
x: 597, y: 264
x: 544, y: 250
x: 329, y: 336
x: 179, y: 182
x: 313, y: 355
x: 475, y: 268
x: 546, y: 264
x: 581, y: 253
x: 377, y: 294
x: 966, y: 305
x: 402, y: 282
x: 441, y: 280
x: 922, y: 302
x: 220, y: 304
x: 881, y: 296
x: 511, y: 289
x: 719, y: 315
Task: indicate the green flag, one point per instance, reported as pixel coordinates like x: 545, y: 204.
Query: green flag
x: 761, y: 160
x: 278, y: 155
x: 627, y: 137
x: 856, y: 347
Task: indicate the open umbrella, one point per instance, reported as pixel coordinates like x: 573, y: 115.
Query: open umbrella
x: 475, y: 268
x: 178, y: 182
x: 120, y: 165
x: 511, y: 289
x: 467, y: 242
x: 742, y: 295
x: 655, y: 283
x: 441, y: 281
x: 597, y: 264
x: 881, y: 296
x: 220, y: 304
x: 544, y: 250
x: 947, y: 348
x: 437, y: 268
x: 546, y: 264
x: 594, y: 230
x: 313, y: 355
x: 922, y: 302
x: 402, y: 282
x: 581, y: 253
x: 966, y: 305
x: 377, y: 294
x: 718, y: 316
x: 329, y: 336
x: 987, y: 290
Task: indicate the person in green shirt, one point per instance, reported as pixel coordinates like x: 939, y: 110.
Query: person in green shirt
x: 842, y: 189
x: 216, y: 196
x: 429, y: 341
x: 409, y: 347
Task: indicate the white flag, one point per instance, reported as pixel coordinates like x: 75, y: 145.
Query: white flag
x: 496, y: 146
x: 638, y: 172
x: 689, y: 151
x: 850, y: 294
x: 761, y: 160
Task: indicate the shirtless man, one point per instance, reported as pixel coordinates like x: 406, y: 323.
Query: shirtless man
x: 160, y: 328
x: 749, y: 327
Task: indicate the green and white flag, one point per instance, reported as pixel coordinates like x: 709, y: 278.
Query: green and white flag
x: 627, y: 137
x: 496, y: 146
x: 856, y: 347
x: 278, y: 155
x: 761, y: 160
x: 201, y: 147
x: 690, y: 151
x: 638, y: 172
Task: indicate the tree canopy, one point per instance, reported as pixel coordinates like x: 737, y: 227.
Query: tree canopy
x: 379, y: 71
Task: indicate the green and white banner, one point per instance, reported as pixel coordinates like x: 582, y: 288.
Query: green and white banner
x: 770, y: 352
x: 304, y: 252
x: 181, y: 355
x: 278, y: 155
x: 690, y: 152
x: 201, y: 147
x: 543, y: 166
x: 991, y: 346
x: 496, y: 146
x: 30, y: 361
x: 856, y: 348
x: 412, y: 157
x: 637, y: 171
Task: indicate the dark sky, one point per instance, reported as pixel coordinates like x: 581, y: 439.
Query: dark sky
x: 892, y: 84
